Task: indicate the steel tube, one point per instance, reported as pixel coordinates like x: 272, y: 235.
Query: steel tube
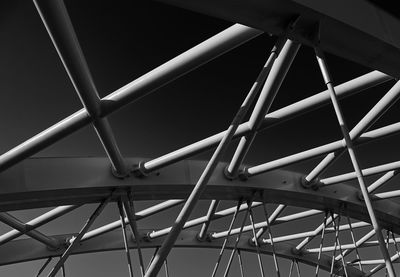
x: 263, y: 224
x: 354, y: 160
x: 202, y: 53
x: 37, y: 222
x: 262, y: 106
x: 279, y: 116
x: 382, y: 180
x: 323, y: 149
x: 198, y: 189
x: 139, y: 215
x: 368, y: 120
x: 366, y: 172
x: 210, y: 215
x: 23, y: 228
x: 351, y: 246
x: 75, y: 240
x: 59, y: 27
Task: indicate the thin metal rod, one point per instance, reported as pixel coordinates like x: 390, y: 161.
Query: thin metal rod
x: 228, y: 266
x: 323, y: 149
x: 204, y: 52
x: 338, y: 243
x: 354, y: 242
x: 314, y: 233
x: 271, y: 239
x: 263, y: 224
x: 138, y: 216
x: 59, y: 27
x: 334, y: 245
x: 279, y: 116
x: 239, y: 255
x: 130, y: 211
x: 44, y: 266
x: 291, y: 268
x: 198, y: 189
x: 256, y: 243
x: 63, y: 270
x: 349, y: 246
x: 366, y: 172
x: 203, y: 219
x: 123, y: 229
x: 272, y: 77
x: 320, y: 245
x: 37, y: 222
x: 152, y: 258
x: 221, y: 252
x: 297, y: 268
x: 271, y: 219
x: 210, y: 213
x: 354, y: 160
x: 367, y: 121
x: 75, y: 241
x: 15, y: 223
x: 359, y: 243
x: 166, y: 268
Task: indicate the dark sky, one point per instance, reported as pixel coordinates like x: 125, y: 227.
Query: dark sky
x: 123, y: 40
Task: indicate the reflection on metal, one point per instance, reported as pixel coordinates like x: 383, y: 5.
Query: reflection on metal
x: 172, y: 178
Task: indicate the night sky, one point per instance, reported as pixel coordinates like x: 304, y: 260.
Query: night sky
x: 121, y: 41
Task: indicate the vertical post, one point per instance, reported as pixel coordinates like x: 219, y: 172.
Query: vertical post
x: 354, y: 160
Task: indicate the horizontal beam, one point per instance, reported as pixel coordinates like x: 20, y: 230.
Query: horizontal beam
x: 69, y: 181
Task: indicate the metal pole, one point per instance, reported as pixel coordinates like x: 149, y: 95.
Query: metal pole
x: 203, y: 219
x: 206, y: 51
x: 13, y: 222
x: 271, y: 119
x: 198, y: 189
x: 210, y: 213
x: 368, y: 120
x: 130, y: 211
x: 123, y: 228
x: 320, y: 245
x: 44, y: 266
x: 354, y: 160
x: 264, y: 102
x: 221, y: 252
x: 366, y: 172
x: 139, y: 215
x: 75, y: 241
x: 323, y: 149
x: 240, y: 263
x: 256, y: 243
x: 271, y: 239
x: 58, y: 24
x: 228, y: 266
x: 271, y: 219
x: 263, y: 224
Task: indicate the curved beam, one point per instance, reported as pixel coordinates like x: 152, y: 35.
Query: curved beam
x: 44, y: 182
x: 29, y: 249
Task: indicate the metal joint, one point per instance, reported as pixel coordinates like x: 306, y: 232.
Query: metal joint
x: 140, y: 170
x: 313, y: 184
x: 244, y: 174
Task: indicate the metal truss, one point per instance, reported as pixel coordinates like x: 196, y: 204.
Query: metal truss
x: 70, y: 183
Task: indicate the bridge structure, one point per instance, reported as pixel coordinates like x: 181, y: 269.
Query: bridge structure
x: 351, y: 221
